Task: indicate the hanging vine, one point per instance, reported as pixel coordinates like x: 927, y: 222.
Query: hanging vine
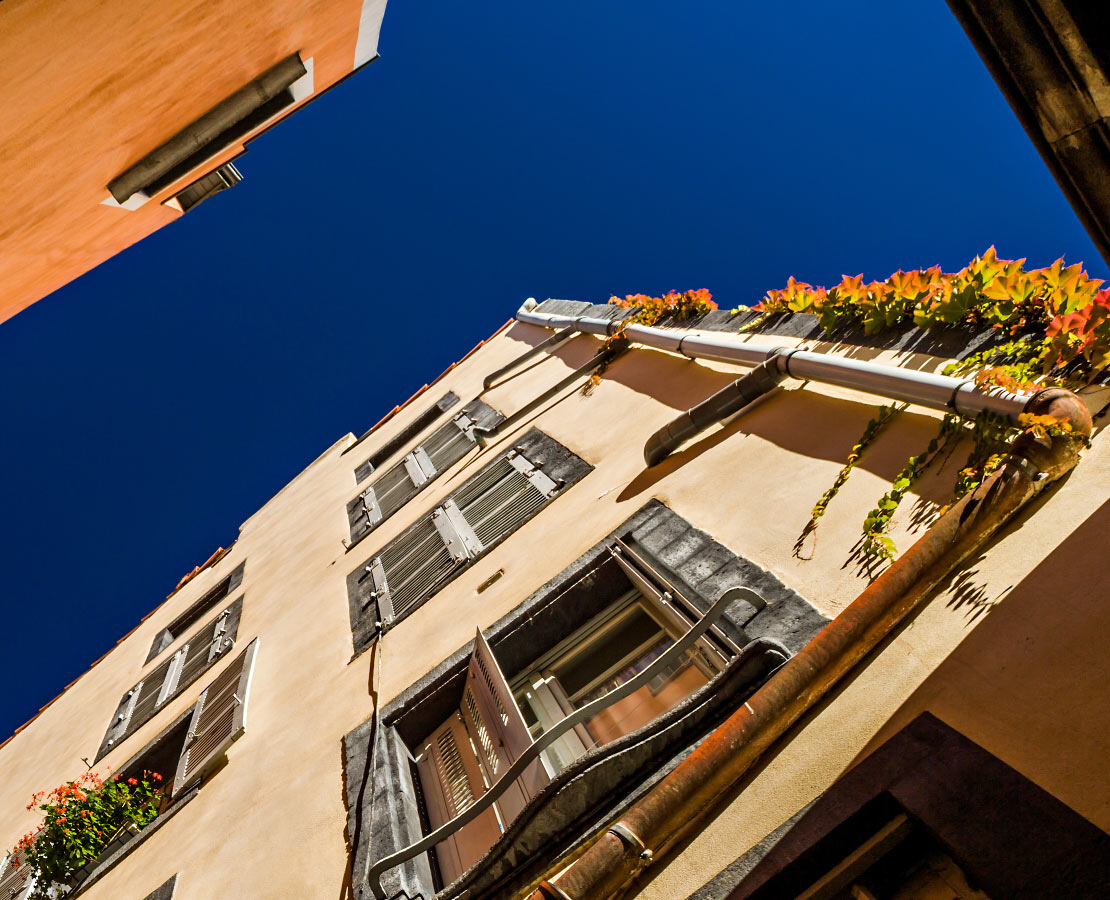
x: 876, y: 541
x: 874, y: 426
x: 1058, y: 324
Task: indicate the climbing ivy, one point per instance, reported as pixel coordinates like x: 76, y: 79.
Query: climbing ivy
x: 874, y: 426
x: 876, y: 541
x: 679, y: 305
x: 1058, y: 324
x: 647, y: 310
x: 1059, y: 318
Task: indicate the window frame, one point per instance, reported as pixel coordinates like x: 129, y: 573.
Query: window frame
x: 217, y: 637
x: 384, y: 453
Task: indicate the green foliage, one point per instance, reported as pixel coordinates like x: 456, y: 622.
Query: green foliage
x: 79, y: 819
x: 678, y: 305
x: 876, y: 541
x: 1058, y: 324
x: 874, y: 426
x: 1062, y: 303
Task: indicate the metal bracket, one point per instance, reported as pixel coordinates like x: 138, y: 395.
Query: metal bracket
x: 536, y: 477
x: 459, y: 538
x: 466, y: 425
x: 415, y: 470
x: 380, y: 593
x: 627, y: 835
x: 370, y: 506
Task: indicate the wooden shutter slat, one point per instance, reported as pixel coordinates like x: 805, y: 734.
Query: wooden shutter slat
x: 450, y: 443
x: 412, y: 566
x: 452, y: 781
x: 499, y: 729
x: 219, y: 718
x: 498, y: 504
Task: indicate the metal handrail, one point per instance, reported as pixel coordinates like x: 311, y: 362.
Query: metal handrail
x: 545, y: 740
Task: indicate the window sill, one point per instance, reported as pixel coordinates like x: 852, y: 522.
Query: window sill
x: 126, y: 850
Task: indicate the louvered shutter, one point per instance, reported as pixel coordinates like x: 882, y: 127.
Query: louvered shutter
x: 452, y: 781
x: 219, y: 718
x: 489, y: 507
x: 204, y: 649
x: 16, y: 881
x: 498, y: 728
x: 401, y: 482
x: 504, y: 496
x: 410, y: 569
x: 164, y: 682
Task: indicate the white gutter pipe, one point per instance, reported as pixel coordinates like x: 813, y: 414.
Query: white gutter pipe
x: 927, y: 389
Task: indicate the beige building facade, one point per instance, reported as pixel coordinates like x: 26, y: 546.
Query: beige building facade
x: 318, y: 699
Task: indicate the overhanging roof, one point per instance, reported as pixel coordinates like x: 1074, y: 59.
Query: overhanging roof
x: 1051, y: 59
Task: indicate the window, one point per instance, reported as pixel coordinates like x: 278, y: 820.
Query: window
x: 647, y: 626
x: 410, y: 431
x: 498, y: 721
x: 485, y: 510
x: 192, y: 659
x: 219, y: 179
x: 183, y: 754
x: 400, y: 483
x: 178, y: 626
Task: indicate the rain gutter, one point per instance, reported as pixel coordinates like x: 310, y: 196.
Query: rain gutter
x: 940, y: 392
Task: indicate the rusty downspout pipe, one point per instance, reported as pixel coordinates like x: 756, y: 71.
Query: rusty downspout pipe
x: 691, y: 792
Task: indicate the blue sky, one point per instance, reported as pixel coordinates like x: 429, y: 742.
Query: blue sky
x: 495, y: 151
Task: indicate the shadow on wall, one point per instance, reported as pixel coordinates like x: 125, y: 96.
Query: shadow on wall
x: 1031, y: 683
x: 804, y: 422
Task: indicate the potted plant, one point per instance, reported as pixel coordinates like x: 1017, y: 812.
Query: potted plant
x: 84, y: 822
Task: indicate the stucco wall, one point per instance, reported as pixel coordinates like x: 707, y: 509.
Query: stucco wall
x: 271, y: 822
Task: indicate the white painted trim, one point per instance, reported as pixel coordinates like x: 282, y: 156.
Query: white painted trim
x: 369, y: 28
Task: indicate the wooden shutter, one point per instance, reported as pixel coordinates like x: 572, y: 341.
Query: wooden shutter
x: 410, y: 569
x: 500, y: 499
x: 171, y: 676
x: 16, y: 882
x: 219, y: 718
x: 489, y: 507
x: 449, y: 443
x: 452, y: 781
x: 498, y: 729
x: 401, y: 482
x: 204, y: 649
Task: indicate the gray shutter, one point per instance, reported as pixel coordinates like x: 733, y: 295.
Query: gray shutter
x: 120, y: 721
x: 400, y: 483
x: 203, y: 650
x: 493, y: 504
x: 449, y: 443
x: 411, y: 568
x: 504, y: 496
x: 16, y: 881
x: 219, y: 718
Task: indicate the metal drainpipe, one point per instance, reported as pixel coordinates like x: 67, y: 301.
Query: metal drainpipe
x: 691, y: 792
x: 927, y: 389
